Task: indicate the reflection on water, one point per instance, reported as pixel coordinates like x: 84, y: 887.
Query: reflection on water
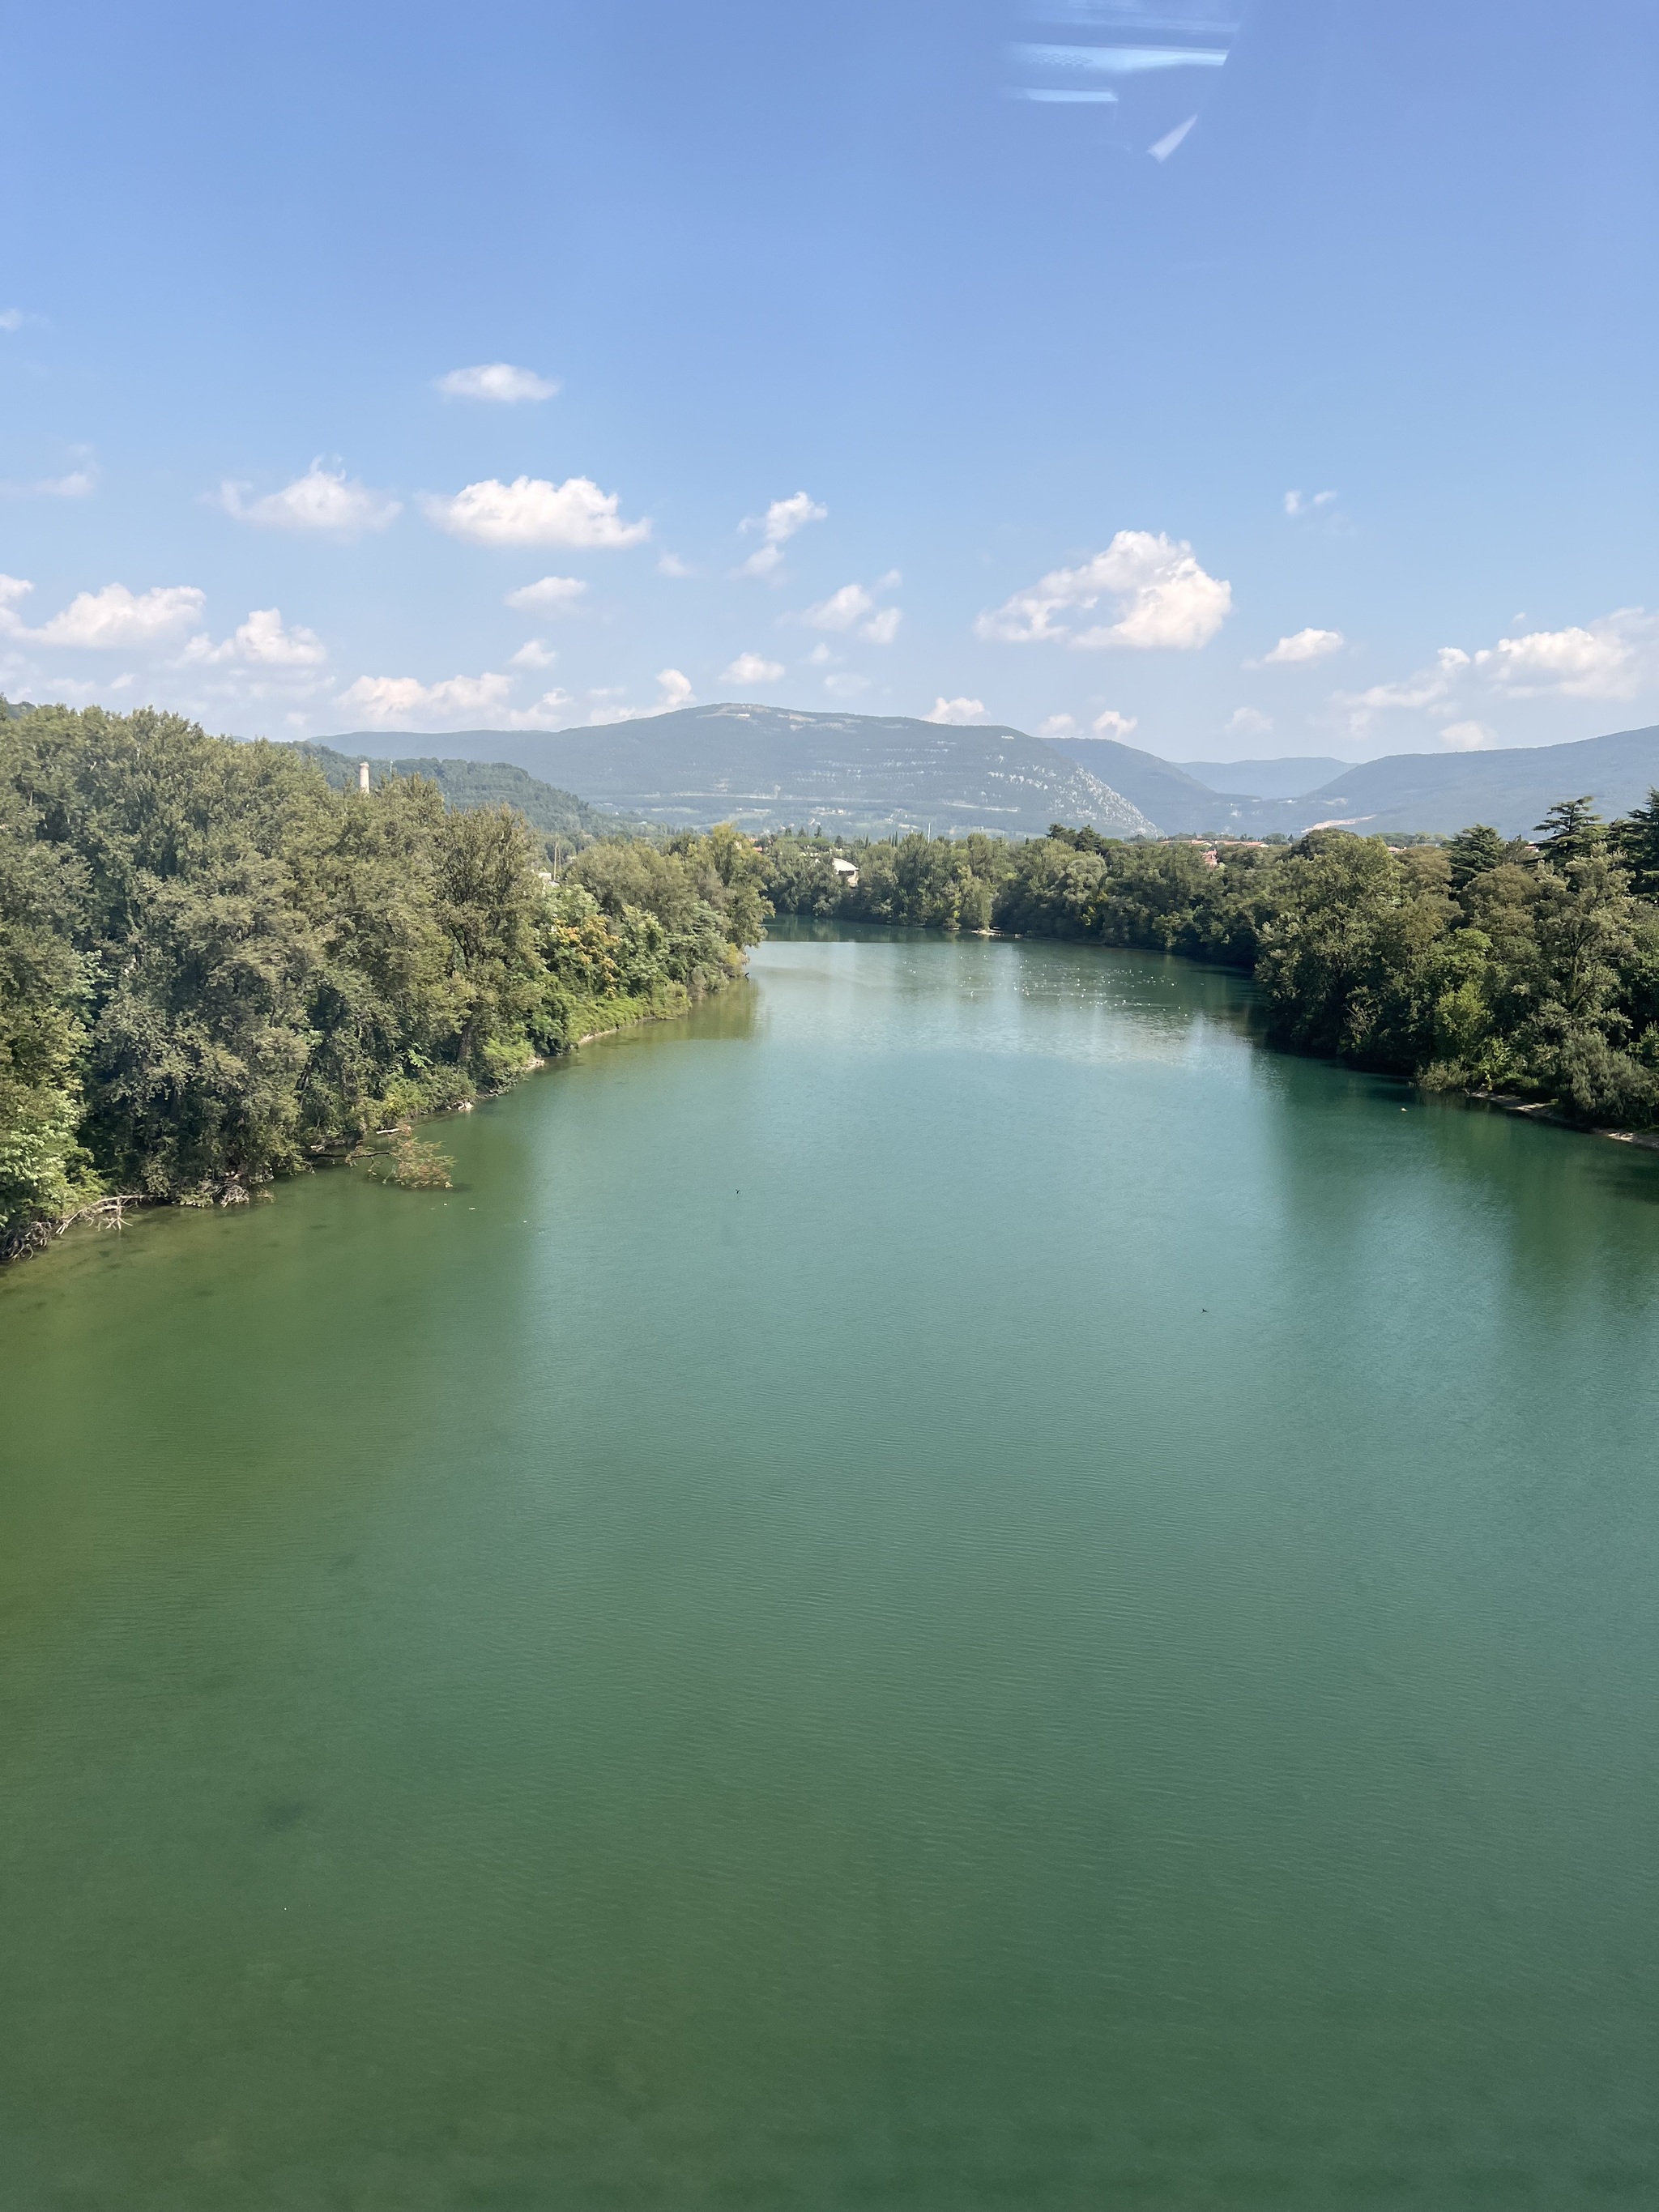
x: 941, y: 1583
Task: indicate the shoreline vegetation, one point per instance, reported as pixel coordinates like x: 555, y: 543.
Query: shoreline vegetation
x: 1523, y: 975
x: 218, y: 968
x: 215, y: 968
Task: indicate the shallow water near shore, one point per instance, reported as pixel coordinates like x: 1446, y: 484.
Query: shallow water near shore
x: 942, y: 1585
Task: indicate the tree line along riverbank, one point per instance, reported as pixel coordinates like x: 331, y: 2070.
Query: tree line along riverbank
x: 1527, y: 969
x: 215, y: 970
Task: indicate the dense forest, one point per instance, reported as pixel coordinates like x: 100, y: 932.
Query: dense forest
x: 1529, y: 969
x: 215, y: 967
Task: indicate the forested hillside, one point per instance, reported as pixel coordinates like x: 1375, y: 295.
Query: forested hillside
x: 1527, y: 968
x: 215, y: 968
x: 557, y: 814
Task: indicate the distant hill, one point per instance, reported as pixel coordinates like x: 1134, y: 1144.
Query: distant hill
x: 767, y: 767
x: 1509, y: 788
x: 1266, y: 779
x: 483, y: 783
x: 1172, y: 797
x: 866, y: 774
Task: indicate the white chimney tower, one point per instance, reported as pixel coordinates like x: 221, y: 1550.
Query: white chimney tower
x: 363, y: 776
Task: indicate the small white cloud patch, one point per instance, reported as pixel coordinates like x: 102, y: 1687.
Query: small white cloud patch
x: 498, y: 381
x: 384, y: 700
x: 1109, y: 723
x: 956, y: 711
x: 324, y: 500
x: 552, y: 595
x: 531, y: 511
x: 751, y: 668
x: 1305, y: 647
x: 777, y: 526
x: 854, y: 607
x: 262, y: 641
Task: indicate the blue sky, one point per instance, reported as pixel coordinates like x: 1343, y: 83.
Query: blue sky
x: 831, y: 368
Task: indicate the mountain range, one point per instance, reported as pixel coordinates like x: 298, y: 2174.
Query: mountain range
x: 868, y: 775
x: 765, y: 767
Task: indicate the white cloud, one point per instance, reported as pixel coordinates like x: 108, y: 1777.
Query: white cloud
x: 786, y: 516
x: 1608, y: 658
x: 1616, y: 656
x: 672, y: 565
x: 498, y: 381
x: 1467, y: 737
x: 531, y: 511
x: 1426, y: 691
x: 841, y: 610
x: 1057, y: 726
x: 1306, y: 645
x: 1109, y: 723
x: 113, y: 620
x: 1249, y: 722
x: 777, y: 525
x: 1299, y: 503
x: 262, y: 641
x: 750, y: 668
x: 674, y: 689
x: 322, y: 499
x: 553, y: 595
x: 382, y: 701
x: 79, y: 483
x: 956, y: 711
x: 854, y: 607
x: 548, y: 711
x: 12, y: 318
x: 533, y: 654
x: 820, y: 656
x: 1162, y: 598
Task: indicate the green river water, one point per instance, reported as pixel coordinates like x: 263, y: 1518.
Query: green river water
x: 944, y: 1585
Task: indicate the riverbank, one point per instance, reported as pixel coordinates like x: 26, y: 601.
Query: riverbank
x: 215, y: 967
x: 1527, y: 970
x: 594, y: 1019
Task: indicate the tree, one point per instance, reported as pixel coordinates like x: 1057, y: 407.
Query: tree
x: 1635, y: 843
x: 1471, y: 852
x: 1572, y: 829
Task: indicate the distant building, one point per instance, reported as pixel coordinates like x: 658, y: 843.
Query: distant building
x: 847, y: 873
x: 363, y: 776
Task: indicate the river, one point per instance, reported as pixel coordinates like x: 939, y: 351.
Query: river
x: 944, y: 1585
